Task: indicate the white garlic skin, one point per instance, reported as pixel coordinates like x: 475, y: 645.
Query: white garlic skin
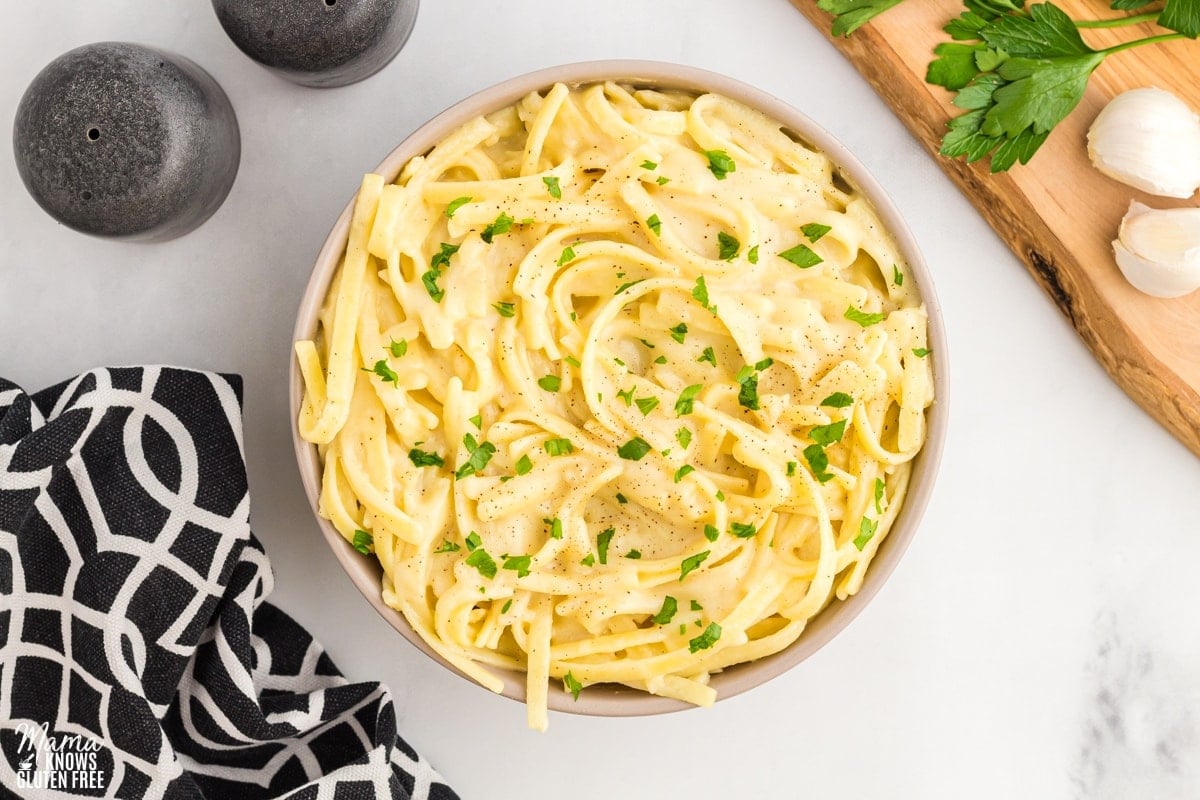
x: 1148, y: 139
x: 1158, y: 250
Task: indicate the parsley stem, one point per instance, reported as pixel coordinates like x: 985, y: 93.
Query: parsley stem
x: 1118, y: 22
x: 1162, y: 37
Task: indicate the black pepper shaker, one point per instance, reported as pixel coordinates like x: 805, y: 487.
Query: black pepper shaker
x: 321, y: 43
x: 120, y: 140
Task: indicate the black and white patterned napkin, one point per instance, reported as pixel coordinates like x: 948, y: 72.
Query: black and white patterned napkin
x: 138, y: 655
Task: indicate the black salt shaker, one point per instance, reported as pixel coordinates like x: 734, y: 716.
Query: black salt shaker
x: 125, y: 141
x: 321, y: 43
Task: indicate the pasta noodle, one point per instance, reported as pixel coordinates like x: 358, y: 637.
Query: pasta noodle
x: 619, y: 385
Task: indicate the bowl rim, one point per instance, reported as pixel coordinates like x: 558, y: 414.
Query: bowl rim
x: 608, y: 699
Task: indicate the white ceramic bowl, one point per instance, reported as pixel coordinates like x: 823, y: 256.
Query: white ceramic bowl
x: 607, y: 700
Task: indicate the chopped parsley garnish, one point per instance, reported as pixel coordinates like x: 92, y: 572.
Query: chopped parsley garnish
x: 480, y: 453
x: 524, y: 464
x: 742, y: 530
x: 505, y: 309
x: 660, y: 360
x: 748, y: 389
x: 634, y: 450
x: 480, y: 560
x: 752, y: 255
x: 707, y: 639
x: 863, y: 318
x: 622, y: 499
x: 559, y: 447
x: 573, y: 361
x: 648, y: 164
x: 802, y: 256
x: 385, y: 373
x: 826, y: 435
x: 588, y: 561
x: 866, y: 531
x: 683, y: 472
x: 556, y: 527
x: 626, y: 285
x: 603, y: 539
x: 720, y: 495
x: 430, y: 279
x: 696, y: 606
x: 814, y: 454
x: 507, y: 605
x: 421, y: 458
x: 634, y: 555
x: 518, y: 564
x: 921, y: 352
x: 567, y: 255
x: 700, y: 294
x: 456, y: 204
x: 654, y: 224
x: 838, y: 400
x: 646, y: 404
x: 647, y: 343
x: 692, y: 562
x: 879, y: 488
x: 448, y: 546
x: 441, y: 259
x: 552, y: 186
x: 687, y: 399
x: 626, y: 395
x: 791, y: 468
x: 727, y: 246
x: 711, y: 532
x: 764, y: 364
x: 679, y: 332
x: 665, y: 614
x: 363, y: 542
x: 897, y: 275
x: 473, y: 541
x: 399, y: 348
x: 477, y: 421
x: 572, y: 685
x: 684, y: 437
x: 502, y: 224
x: 719, y: 163
x: 709, y: 356
x: 814, y: 231
x: 662, y: 180
x: 551, y: 383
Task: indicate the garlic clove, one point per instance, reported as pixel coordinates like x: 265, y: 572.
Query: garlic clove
x: 1148, y: 139
x: 1158, y: 250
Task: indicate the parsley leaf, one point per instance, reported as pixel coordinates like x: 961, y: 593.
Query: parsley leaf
x: 385, y: 373
x: 700, y: 294
x: 742, y: 530
x: 363, y: 542
x: 441, y: 259
x: 473, y: 541
x: 502, y: 224
x: 505, y: 309
x: 708, y: 355
x: 550, y: 383
x: 665, y: 614
x: 818, y: 462
x: 559, y: 447
x: 523, y: 465
x: 727, y: 246
x: 572, y: 685
x: 679, y: 332
x: 683, y: 472
x: 826, y: 435
x: 634, y: 555
x: 690, y: 563
x: 748, y: 390
x: 646, y: 404
x: 752, y: 255
x: 480, y: 560
x: 863, y: 318
x: 567, y: 255
x: 684, y: 437
x: 519, y: 564
x: 634, y: 450
x: 556, y: 527
x: 420, y: 458
x: 479, y: 454
x: 456, y: 204
x: 430, y: 279
x: 654, y: 224
x: 814, y: 231
x: 686, y: 400
x: 719, y: 163
x: 838, y: 400
x: 705, y: 640
x: 921, y: 352
x: 399, y: 348
x: 711, y: 532
x: 866, y: 531
x: 603, y: 539
x: 802, y: 256
x: 448, y: 546
x: 552, y: 186
x: 850, y: 15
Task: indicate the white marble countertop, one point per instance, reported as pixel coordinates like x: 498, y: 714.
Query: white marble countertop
x: 1039, y: 640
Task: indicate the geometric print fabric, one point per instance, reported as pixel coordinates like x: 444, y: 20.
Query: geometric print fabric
x: 139, y: 657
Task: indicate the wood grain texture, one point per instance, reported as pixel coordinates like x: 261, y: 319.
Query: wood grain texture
x: 1058, y: 214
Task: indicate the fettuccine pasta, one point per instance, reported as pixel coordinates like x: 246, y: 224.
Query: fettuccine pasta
x: 618, y: 385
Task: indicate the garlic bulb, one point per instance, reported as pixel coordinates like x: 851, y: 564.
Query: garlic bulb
x: 1158, y: 250
x: 1149, y: 139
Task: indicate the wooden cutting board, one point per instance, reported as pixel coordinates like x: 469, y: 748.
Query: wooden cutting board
x: 1058, y: 214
